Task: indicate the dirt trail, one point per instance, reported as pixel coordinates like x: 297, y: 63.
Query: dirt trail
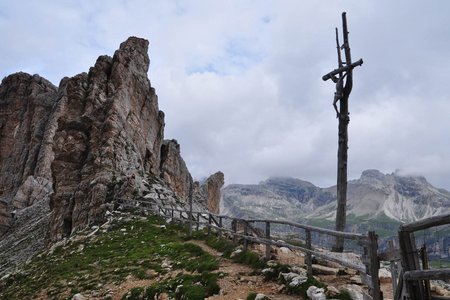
x: 240, y: 280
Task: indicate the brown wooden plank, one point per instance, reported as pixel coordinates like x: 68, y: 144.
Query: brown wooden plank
x: 426, y: 223
x: 433, y: 274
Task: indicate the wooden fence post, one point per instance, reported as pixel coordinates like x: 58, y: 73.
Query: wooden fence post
x: 308, y: 255
x: 374, y: 266
x: 268, y: 238
x: 198, y: 221
x: 410, y: 261
x: 209, y: 223
x: 220, y: 226
x: 426, y: 283
x: 245, y: 236
x: 234, y: 229
x: 393, y: 266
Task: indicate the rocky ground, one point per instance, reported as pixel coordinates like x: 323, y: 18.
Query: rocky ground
x: 132, y: 257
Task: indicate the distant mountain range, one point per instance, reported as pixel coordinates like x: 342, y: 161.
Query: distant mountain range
x: 374, y: 201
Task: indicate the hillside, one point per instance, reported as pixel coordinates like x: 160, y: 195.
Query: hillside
x: 137, y: 257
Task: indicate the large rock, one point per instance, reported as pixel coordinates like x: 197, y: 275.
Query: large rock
x: 108, y: 127
x: 66, y: 153
x: 174, y: 170
x: 26, y: 103
x: 212, y: 191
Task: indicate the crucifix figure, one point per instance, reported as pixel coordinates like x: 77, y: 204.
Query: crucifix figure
x: 343, y: 78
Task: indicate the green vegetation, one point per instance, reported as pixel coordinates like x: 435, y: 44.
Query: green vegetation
x: 438, y: 264
x: 227, y: 247
x: 138, y: 247
x: 183, y: 286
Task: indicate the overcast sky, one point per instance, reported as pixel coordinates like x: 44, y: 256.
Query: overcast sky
x: 240, y: 81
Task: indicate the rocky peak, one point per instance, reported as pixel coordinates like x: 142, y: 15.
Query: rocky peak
x: 70, y: 154
x: 212, y: 190
x: 174, y: 170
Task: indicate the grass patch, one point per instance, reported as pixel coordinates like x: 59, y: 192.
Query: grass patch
x: 227, y: 247
x: 249, y: 258
x: 183, y: 286
x: 129, y: 247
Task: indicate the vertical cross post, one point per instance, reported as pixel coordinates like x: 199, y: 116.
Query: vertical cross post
x: 344, y: 73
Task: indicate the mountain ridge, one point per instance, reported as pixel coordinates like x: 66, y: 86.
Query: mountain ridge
x: 401, y: 198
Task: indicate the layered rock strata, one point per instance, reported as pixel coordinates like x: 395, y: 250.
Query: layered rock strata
x: 174, y: 170
x: 69, y: 154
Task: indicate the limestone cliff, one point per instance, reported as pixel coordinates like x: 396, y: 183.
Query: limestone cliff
x: 211, y: 188
x: 25, y: 105
x: 108, y: 125
x: 69, y: 154
x: 174, y: 170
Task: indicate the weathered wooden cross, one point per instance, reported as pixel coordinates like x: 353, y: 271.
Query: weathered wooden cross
x: 344, y: 72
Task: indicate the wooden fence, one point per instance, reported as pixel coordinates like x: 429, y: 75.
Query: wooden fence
x: 413, y: 273
x: 248, y: 231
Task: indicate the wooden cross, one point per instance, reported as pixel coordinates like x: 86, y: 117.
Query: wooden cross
x: 344, y: 72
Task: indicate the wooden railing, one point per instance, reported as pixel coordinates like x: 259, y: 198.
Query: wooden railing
x: 413, y: 280
x: 248, y: 231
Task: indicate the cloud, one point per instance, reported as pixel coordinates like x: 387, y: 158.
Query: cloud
x: 240, y: 82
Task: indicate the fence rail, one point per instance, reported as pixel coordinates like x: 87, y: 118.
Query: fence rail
x: 414, y: 276
x: 247, y: 231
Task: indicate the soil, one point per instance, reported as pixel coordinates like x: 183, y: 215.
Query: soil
x: 240, y: 280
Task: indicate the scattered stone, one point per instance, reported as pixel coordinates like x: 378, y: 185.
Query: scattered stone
x: 163, y: 296
x: 166, y: 264
x: 322, y: 270
x: 78, y: 297
x: 355, y: 291
x: 5, y: 277
x: 356, y: 279
x: 288, y: 276
x: 260, y: 297
x: 285, y: 250
x: 266, y: 270
x: 281, y: 288
x: 298, y: 270
x: 332, y: 291
x: 271, y: 263
x: 235, y: 252
x: 296, y: 281
x: 315, y: 293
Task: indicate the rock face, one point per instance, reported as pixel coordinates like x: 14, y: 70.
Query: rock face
x: 108, y: 124
x: 174, y: 170
x: 176, y: 175
x: 211, y: 189
x: 26, y: 103
x: 68, y: 154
